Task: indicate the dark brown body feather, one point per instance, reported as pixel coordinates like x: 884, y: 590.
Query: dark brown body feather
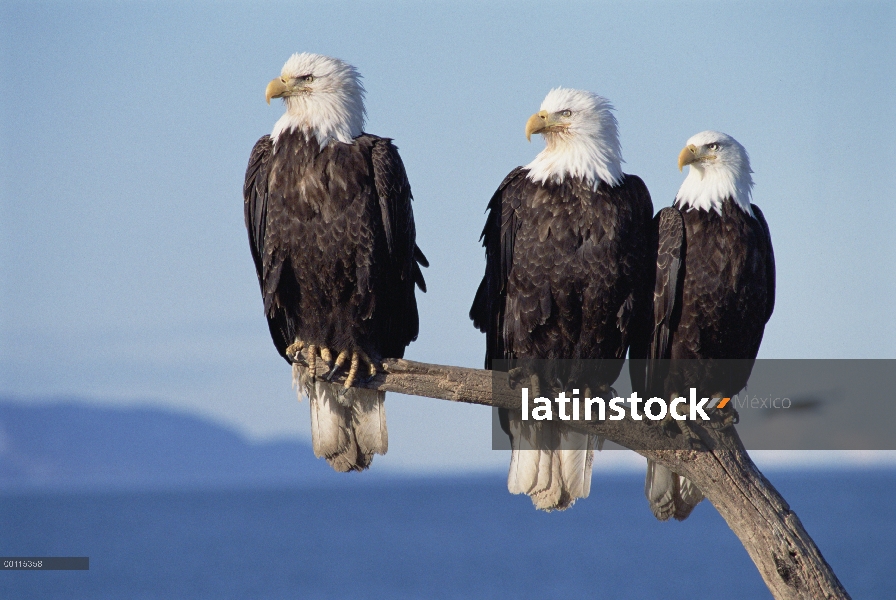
x: 567, y: 276
x: 714, y: 293
x: 333, y: 240
x: 568, y: 269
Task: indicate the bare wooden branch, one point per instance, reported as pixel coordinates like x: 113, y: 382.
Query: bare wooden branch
x: 787, y: 558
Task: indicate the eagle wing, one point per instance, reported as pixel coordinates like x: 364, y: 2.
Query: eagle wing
x: 667, y: 289
x: 670, y: 245
x: 400, y: 323
x: 256, y: 203
x: 498, y: 237
x: 255, y: 198
x: 634, y: 317
x: 769, y: 264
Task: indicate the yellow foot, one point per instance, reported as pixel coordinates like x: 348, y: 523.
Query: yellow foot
x: 311, y: 354
x: 727, y: 416
x: 294, y: 352
x: 308, y: 358
x: 359, y: 363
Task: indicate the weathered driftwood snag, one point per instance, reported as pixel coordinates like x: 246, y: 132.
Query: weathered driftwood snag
x: 787, y: 558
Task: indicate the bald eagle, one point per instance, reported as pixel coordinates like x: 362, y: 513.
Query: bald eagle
x: 567, y: 276
x: 714, y: 292
x: 331, y: 230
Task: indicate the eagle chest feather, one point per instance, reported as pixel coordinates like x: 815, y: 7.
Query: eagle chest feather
x: 724, y: 293
x: 571, y: 271
x: 322, y: 205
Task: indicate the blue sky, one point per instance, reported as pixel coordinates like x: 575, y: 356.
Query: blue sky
x: 125, y: 275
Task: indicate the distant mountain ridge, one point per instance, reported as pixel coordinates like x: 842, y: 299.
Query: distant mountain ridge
x: 70, y: 444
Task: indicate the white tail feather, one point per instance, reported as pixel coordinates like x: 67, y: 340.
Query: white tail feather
x: 660, y: 488
x: 553, y: 478
x: 670, y: 494
x: 524, y: 460
x: 369, y: 420
x: 690, y: 493
x: 549, y: 488
x: 576, y: 457
x: 347, y: 427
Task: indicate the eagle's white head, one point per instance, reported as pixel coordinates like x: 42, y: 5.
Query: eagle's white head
x: 582, y: 139
x: 720, y: 168
x: 323, y: 96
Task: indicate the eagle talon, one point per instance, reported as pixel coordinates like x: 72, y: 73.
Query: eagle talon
x: 337, y: 364
x: 670, y: 427
x: 332, y: 373
x: 725, y: 417
x: 359, y: 357
x: 359, y: 363
x: 515, y: 377
x: 294, y: 353
x: 524, y: 376
x: 733, y: 418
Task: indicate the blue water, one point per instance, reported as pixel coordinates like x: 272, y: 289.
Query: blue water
x: 429, y: 538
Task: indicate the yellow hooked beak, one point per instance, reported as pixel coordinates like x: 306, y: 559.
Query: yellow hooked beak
x: 541, y: 122
x: 688, y: 155
x: 277, y: 88
x: 537, y: 123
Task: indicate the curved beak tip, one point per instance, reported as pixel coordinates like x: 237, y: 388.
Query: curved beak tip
x: 535, y: 124
x: 687, y: 156
x: 276, y: 89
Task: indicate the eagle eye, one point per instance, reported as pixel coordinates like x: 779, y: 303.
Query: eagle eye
x: 306, y: 78
x: 714, y: 147
x: 566, y: 113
